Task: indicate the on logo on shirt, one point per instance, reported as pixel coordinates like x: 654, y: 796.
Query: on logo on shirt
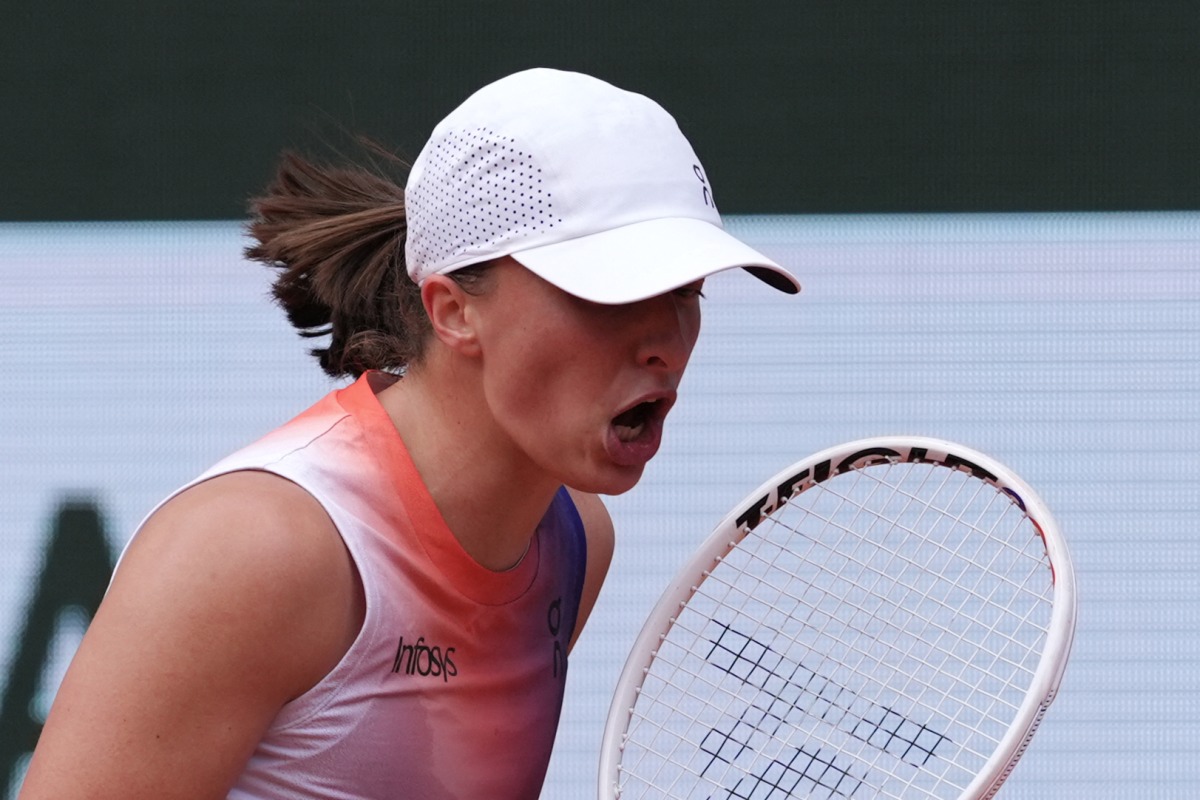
x: 554, y: 623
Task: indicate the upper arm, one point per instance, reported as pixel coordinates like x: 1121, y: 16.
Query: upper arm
x: 598, y: 530
x: 236, y: 596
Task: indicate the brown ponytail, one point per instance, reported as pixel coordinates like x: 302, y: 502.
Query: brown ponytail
x: 336, y: 235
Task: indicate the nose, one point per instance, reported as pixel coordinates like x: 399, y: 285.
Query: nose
x: 668, y: 326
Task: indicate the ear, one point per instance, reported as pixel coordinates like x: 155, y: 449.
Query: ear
x: 451, y: 314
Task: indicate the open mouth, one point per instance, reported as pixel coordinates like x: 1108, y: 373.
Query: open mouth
x: 630, y: 424
x: 635, y: 434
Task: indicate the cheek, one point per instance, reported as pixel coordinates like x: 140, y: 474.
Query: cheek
x: 530, y: 378
x: 547, y: 409
x: 689, y: 325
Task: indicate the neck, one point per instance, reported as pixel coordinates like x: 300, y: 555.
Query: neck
x: 489, y: 493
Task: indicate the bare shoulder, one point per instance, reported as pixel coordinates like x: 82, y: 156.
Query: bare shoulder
x: 591, y: 509
x: 597, y: 524
x: 235, y: 520
x: 235, y: 596
x: 598, y: 530
x: 252, y: 542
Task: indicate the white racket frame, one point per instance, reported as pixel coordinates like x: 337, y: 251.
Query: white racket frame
x: 800, y: 477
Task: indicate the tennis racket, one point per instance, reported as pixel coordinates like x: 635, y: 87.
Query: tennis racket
x: 887, y: 619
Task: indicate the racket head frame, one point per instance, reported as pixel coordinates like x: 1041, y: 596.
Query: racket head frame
x: 805, y: 474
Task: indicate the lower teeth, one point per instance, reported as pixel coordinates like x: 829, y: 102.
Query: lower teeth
x: 627, y: 434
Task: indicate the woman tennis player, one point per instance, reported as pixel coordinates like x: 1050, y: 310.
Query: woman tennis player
x: 378, y: 598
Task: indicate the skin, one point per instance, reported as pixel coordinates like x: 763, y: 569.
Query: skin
x: 195, y: 648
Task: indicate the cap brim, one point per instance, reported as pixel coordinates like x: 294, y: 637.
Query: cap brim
x: 645, y: 259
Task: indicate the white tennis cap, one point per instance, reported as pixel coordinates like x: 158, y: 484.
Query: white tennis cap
x: 591, y: 187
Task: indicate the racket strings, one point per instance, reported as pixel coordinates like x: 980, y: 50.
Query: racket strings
x: 989, y: 571
x: 896, y: 555
x: 882, y: 614
x: 999, y: 578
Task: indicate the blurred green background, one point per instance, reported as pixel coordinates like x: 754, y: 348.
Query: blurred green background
x: 170, y: 110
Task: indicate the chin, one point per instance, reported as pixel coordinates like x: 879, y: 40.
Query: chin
x: 614, y: 481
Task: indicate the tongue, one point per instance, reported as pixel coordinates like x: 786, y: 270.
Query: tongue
x: 633, y: 439
x: 627, y: 433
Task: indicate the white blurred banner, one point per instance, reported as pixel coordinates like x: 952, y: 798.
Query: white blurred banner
x: 1067, y: 346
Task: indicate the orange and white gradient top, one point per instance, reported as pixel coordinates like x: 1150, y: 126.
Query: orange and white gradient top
x: 454, y: 685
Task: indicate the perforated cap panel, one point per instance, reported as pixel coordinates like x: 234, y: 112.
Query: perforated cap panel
x: 480, y: 189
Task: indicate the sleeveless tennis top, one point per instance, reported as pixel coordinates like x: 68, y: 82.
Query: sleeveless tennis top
x: 453, y: 687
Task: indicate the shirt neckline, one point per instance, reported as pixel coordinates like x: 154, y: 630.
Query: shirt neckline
x: 468, y: 576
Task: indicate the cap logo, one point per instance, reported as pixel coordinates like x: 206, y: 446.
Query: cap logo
x: 707, y: 194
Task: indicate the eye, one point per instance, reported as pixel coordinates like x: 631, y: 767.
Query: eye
x: 691, y: 291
